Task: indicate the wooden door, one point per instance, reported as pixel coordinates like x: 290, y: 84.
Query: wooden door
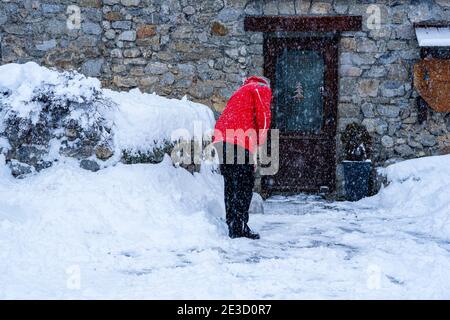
x: 304, y: 79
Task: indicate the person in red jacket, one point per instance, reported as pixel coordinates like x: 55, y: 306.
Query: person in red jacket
x: 240, y: 130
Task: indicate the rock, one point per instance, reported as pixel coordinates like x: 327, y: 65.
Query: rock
x: 390, y: 111
x: 113, y: 16
x: 341, y: 6
x: 368, y: 110
x: 387, y: 141
x: 376, y: 72
x: 156, y: 68
x: 348, y: 44
x: 320, y: 8
x: 52, y: 8
x: 414, y: 144
x: 130, y: 3
x: 270, y: 8
x: 189, y: 10
x: 128, y: 36
x: 350, y: 71
x: 232, y: 53
x: 89, y: 165
x: 183, y: 32
x: 123, y: 82
x: 3, y: 17
x: 135, y: 61
x: 78, y: 151
x: 46, y: 45
x: 398, y: 72
x: 375, y: 125
x: 185, y: 70
x: 443, y: 3
x: 369, y: 87
x: 91, y: 28
x: 404, y: 150
x: 366, y: 45
x: 103, y: 152
x: 92, y: 68
x: 229, y: 15
x: 348, y: 110
x: 123, y: 25
x: 91, y: 3
x: 71, y: 134
x: 148, y: 81
x: 19, y: 169
x: 218, y: 29
x: 286, y: 7
x: 116, y: 53
x: 201, y: 91
x: 168, y: 79
x: 131, y: 53
x: 426, y: 139
x: 392, y: 89
x: 146, y: 31
x: 395, y: 45
x: 110, y: 34
x: 29, y: 154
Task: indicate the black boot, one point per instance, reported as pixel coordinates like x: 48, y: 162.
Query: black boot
x: 235, y: 227
x: 248, y: 233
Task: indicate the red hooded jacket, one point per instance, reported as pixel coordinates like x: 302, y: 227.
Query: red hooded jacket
x: 246, y: 118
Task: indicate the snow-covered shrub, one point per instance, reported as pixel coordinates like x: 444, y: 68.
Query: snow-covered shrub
x: 45, y: 114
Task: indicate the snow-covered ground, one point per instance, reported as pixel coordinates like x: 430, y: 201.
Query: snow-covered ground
x: 155, y: 231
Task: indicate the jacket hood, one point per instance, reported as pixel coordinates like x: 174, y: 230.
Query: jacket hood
x: 255, y: 79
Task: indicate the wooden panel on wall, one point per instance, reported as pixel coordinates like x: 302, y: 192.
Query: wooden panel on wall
x: 432, y: 81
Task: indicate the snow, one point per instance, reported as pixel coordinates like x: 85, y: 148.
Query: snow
x: 419, y: 190
x: 433, y: 37
x: 145, y: 120
x: 22, y: 80
x: 155, y: 231
x: 66, y: 216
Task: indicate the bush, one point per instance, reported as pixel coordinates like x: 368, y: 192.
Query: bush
x: 357, y: 143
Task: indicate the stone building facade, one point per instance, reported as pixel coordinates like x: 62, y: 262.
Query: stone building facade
x: 200, y: 49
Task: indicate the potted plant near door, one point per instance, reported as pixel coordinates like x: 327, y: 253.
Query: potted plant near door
x: 357, y: 165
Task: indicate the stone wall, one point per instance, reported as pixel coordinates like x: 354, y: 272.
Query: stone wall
x: 200, y: 49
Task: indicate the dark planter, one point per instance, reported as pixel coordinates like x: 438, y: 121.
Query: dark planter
x: 356, y: 175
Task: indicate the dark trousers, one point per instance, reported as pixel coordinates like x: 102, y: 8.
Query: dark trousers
x: 239, y: 181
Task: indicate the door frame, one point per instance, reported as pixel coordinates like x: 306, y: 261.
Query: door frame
x: 273, y: 46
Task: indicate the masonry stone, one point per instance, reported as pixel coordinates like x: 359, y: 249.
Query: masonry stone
x: 128, y: 36
x: 92, y: 67
x: 387, y: 141
x: 426, y: 139
x: 46, y: 45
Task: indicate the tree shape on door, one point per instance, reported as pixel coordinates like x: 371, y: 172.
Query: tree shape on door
x: 299, y: 93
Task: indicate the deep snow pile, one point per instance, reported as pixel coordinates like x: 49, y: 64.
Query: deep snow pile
x: 46, y: 115
x: 418, y: 189
x: 146, y: 120
x: 65, y: 217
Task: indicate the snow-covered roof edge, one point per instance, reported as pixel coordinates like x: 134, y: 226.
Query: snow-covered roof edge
x: 433, y: 35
